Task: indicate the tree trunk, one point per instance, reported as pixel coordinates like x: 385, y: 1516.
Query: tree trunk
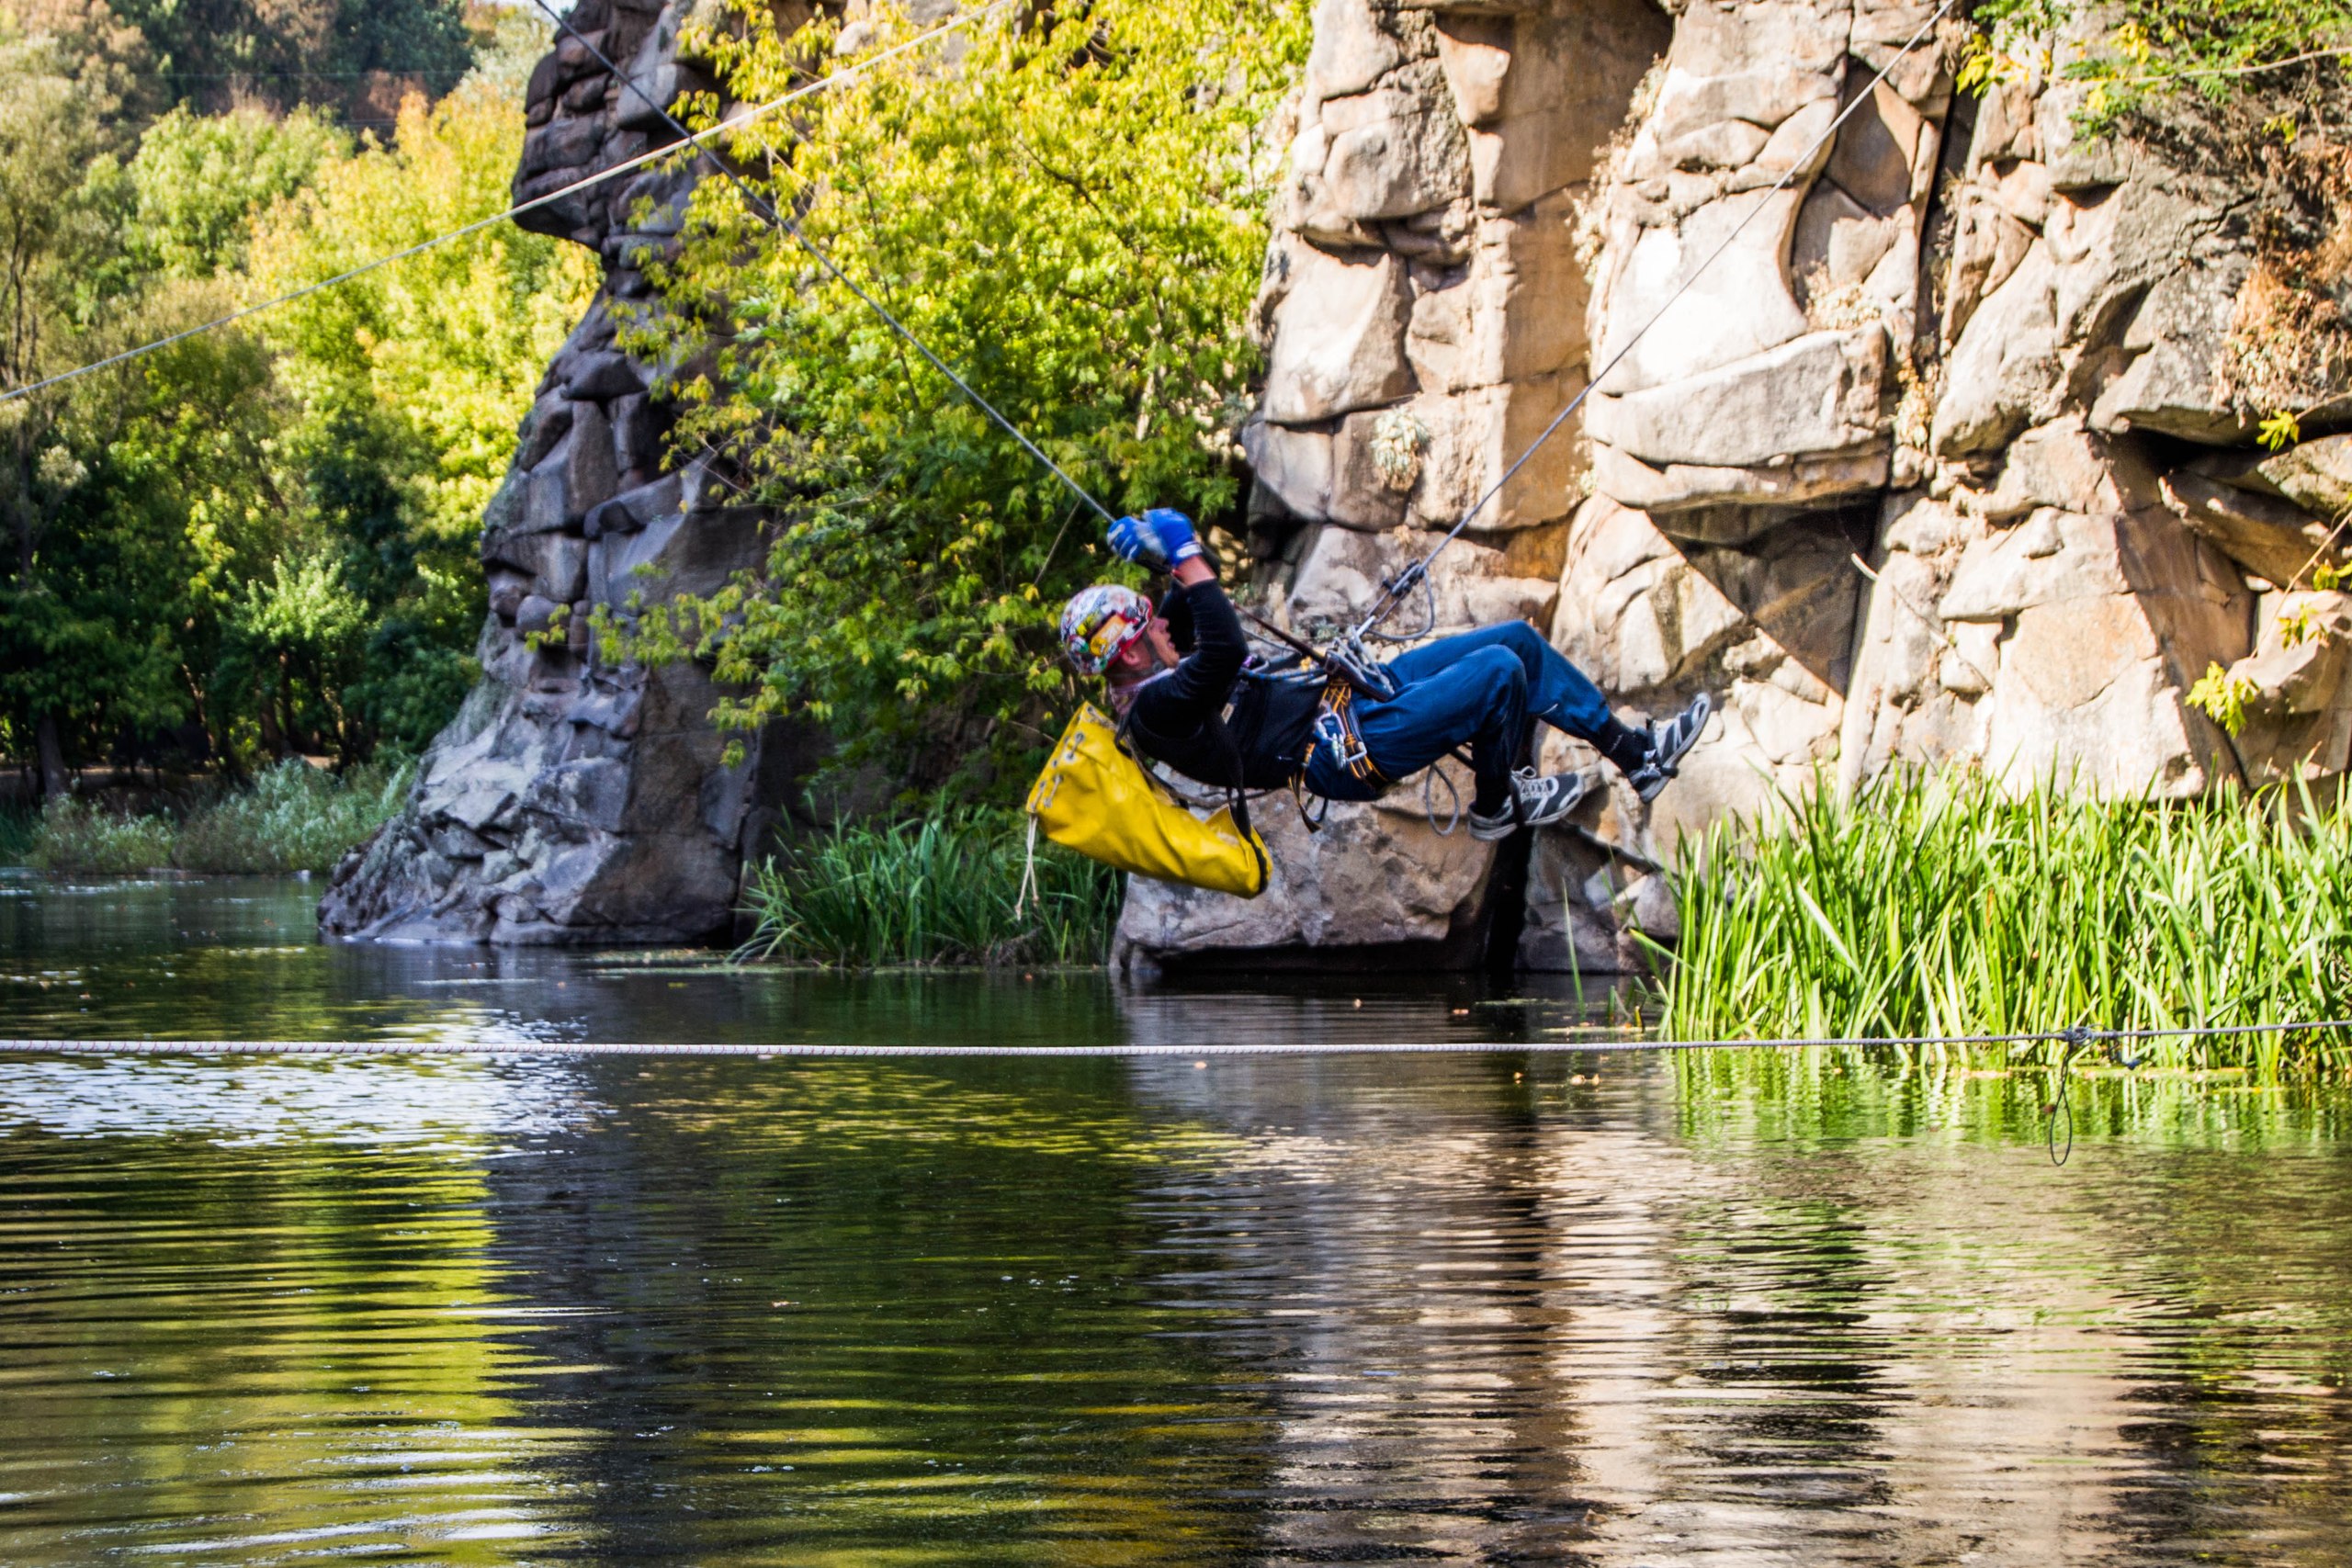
x: 55, y: 783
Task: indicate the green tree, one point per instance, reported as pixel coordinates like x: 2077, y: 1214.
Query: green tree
x: 174, y: 507
x: 358, y: 56
x: 410, y: 382
x: 269, y: 538
x: 198, y: 180
x: 1072, y: 212
x: 55, y: 233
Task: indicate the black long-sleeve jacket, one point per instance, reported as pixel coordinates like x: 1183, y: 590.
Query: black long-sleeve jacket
x: 1172, y: 717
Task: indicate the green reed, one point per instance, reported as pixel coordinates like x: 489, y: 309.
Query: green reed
x: 288, y: 818
x: 291, y: 817
x: 19, y: 825
x: 1937, y: 906
x: 940, y: 890
x: 73, y: 836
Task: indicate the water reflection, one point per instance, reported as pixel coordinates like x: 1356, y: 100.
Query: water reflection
x: 234, y: 958
x: 1499, y: 1309
x: 1542, y: 1321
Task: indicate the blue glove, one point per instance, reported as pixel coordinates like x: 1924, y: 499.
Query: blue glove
x: 1158, y: 539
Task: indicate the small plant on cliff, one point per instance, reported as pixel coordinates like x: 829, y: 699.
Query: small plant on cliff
x: 2142, y: 49
x: 2252, y: 91
x: 1072, y: 213
x: 2221, y: 697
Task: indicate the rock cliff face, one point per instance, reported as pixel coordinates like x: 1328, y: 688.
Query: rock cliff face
x: 1940, y: 463
x: 571, y: 800
x: 1937, y: 464
x: 1424, y: 315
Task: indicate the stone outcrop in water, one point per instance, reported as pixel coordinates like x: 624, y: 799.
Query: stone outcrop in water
x: 1936, y: 463
x: 573, y: 800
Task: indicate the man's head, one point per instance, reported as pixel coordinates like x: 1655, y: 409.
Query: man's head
x: 1111, y: 631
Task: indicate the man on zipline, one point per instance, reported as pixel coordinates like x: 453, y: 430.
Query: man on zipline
x: 1173, y: 674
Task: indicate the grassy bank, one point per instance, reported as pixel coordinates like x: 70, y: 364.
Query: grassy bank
x: 1937, y: 907
x: 19, y: 828
x: 943, y: 890
x: 291, y: 817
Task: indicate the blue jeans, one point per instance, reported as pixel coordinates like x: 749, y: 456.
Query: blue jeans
x: 1487, y: 687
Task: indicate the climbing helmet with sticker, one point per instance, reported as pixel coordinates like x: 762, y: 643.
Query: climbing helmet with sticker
x: 1100, y: 622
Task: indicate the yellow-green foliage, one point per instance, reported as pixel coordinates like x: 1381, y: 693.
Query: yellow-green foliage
x: 1938, y: 906
x: 1071, y: 211
x: 2223, y: 697
x: 2139, y: 50
x: 450, y: 344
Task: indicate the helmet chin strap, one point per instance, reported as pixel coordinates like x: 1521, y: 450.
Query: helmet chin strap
x: 1121, y: 680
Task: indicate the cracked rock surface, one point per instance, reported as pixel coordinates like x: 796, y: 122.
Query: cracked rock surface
x: 1933, y: 465
x: 573, y: 801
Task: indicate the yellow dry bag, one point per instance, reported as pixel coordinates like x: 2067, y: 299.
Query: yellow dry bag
x: 1098, y: 800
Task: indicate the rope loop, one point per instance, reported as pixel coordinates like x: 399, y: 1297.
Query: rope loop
x: 2060, y: 1107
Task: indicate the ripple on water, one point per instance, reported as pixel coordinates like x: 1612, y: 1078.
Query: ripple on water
x: 1485, y: 1310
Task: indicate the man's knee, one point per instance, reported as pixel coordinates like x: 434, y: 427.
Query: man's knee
x: 1520, y: 637
x: 1526, y: 644
x: 1502, y: 677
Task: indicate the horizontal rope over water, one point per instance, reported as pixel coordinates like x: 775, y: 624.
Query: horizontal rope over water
x: 2076, y: 1037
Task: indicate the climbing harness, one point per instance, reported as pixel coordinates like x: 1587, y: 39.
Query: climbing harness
x: 1337, y: 733
x: 1346, y: 659
x: 1416, y: 574
x: 627, y: 166
x: 1355, y: 667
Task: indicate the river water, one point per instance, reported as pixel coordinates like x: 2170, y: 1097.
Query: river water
x: 1505, y: 1308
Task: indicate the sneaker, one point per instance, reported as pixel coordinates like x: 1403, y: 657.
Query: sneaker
x: 1670, y: 740
x: 1536, y: 801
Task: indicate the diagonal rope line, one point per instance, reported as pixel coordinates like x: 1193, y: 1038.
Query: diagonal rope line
x: 1393, y: 592
x: 839, y: 77
x: 786, y: 226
